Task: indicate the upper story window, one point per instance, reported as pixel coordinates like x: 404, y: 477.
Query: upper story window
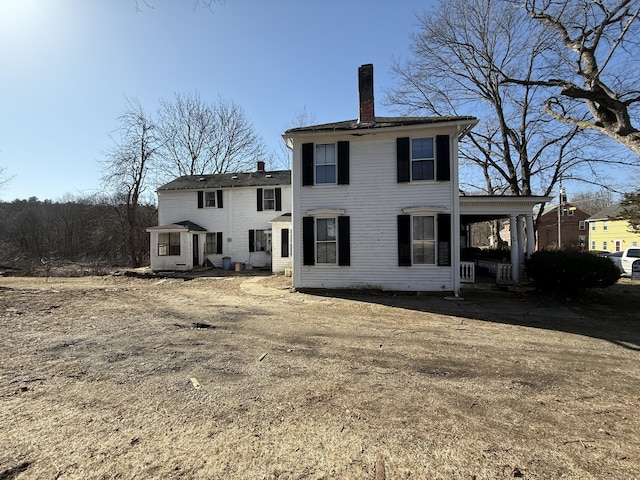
x: 269, y: 199
x: 582, y: 225
x: 422, y: 159
x: 593, y: 226
x: 210, y: 199
x: 325, y: 165
x: 604, y: 225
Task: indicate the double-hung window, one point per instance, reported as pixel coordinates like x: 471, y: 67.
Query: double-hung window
x: 326, y: 241
x: 168, y: 243
x: 213, y: 243
x: 325, y: 166
x: 269, y: 199
x: 423, y: 240
x: 422, y: 159
x: 210, y: 199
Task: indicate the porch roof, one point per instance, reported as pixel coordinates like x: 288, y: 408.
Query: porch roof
x: 184, y: 226
x: 480, y: 208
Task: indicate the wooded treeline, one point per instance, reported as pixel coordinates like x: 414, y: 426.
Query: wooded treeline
x: 84, y: 230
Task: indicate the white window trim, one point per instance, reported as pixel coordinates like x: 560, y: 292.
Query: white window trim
x: 433, y: 159
x: 316, y: 241
x: 326, y: 212
x: 212, y: 193
x: 265, y: 199
x: 435, y: 242
x: 335, y: 164
x: 426, y: 210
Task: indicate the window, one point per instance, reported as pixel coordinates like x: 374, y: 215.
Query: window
x: 593, y: 226
x: 168, y: 243
x: 593, y: 245
x: 325, y: 163
x: 604, y: 245
x: 210, y: 199
x: 423, y: 240
x: 581, y: 240
x: 213, y: 243
x: 269, y: 199
x: 259, y: 240
x: 634, y: 244
x: 604, y: 226
x: 422, y: 159
x: 326, y: 244
x: 285, y: 243
x: 582, y: 225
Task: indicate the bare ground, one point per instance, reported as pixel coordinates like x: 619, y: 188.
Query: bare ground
x: 116, y: 377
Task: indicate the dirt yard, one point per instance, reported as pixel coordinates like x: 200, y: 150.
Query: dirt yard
x: 240, y: 378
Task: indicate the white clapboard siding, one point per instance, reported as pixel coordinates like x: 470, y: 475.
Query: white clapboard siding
x: 373, y: 200
x: 238, y: 215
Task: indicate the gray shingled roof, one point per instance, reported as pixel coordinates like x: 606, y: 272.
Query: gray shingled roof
x: 612, y: 211
x: 381, y: 122
x: 229, y: 180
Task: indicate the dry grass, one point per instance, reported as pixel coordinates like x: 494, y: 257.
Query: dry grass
x: 115, y: 377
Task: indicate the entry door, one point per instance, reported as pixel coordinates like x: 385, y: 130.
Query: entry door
x: 618, y: 245
x: 196, y: 251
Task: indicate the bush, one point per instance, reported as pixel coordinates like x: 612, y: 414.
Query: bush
x: 569, y: 272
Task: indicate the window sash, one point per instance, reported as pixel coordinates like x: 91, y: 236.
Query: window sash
x: 269, y: 199
x: 210, y: 199
x: 211, y: 244
x: 326, y: 241
x: 325, y: 163
x: 168, y: 244
x: 422, y: 159
x: 423, y: 240
x: 260, y: 241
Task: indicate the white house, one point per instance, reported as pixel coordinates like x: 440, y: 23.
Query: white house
x: 223, y: 219
x: 376, y: 200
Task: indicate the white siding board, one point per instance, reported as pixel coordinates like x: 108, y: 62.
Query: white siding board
x: 372, y: 200
x: 238, y: 215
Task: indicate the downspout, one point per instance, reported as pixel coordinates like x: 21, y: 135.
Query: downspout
x: 455, y: 215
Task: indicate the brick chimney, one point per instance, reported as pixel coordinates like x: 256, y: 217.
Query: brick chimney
x: 365, y: 90
x: 260, y: 166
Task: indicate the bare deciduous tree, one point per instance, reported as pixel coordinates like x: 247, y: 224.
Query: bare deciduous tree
x: 125, y: 173
x: 592, y: 202
x: 596, y: 65
x: 462, y: 54
x: 199, y: 138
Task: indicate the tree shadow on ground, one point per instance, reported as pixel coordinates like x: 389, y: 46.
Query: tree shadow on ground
x: 611, y: 314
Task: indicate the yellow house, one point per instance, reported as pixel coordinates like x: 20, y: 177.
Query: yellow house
x: 607, y: 233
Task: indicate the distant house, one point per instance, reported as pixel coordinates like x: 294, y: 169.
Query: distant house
x: 573, y: 228
x: 222, y: 219
x: 610, y: 234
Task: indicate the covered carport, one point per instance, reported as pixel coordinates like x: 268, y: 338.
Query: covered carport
x: 519, y: 210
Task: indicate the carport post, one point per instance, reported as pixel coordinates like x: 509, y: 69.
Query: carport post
x: 515, y: 248
x: 531, y: 236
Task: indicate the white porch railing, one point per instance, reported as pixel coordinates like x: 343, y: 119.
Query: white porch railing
x: 504, y: 273
x: 467, y: 272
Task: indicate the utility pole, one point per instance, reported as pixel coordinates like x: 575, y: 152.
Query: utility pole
x: 562, y: 200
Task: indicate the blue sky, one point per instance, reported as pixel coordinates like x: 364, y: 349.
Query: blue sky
x: 67, y: 66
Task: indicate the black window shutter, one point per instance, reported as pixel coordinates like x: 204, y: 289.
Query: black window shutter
x: 344, y: 242
x: 284, y: 243
x: 307, y: 164
x: 308, y: 241
x: 200, y: 199
x: 444, y: 239
x: 252, y: 240
x: 219, y: 198
x: 278, y: 199
x: 403, y: 159
x: 219, y: 243
x: 259, y: 199
x: 343, y: 163
x: 443, y: 161
x: 404, y: 240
